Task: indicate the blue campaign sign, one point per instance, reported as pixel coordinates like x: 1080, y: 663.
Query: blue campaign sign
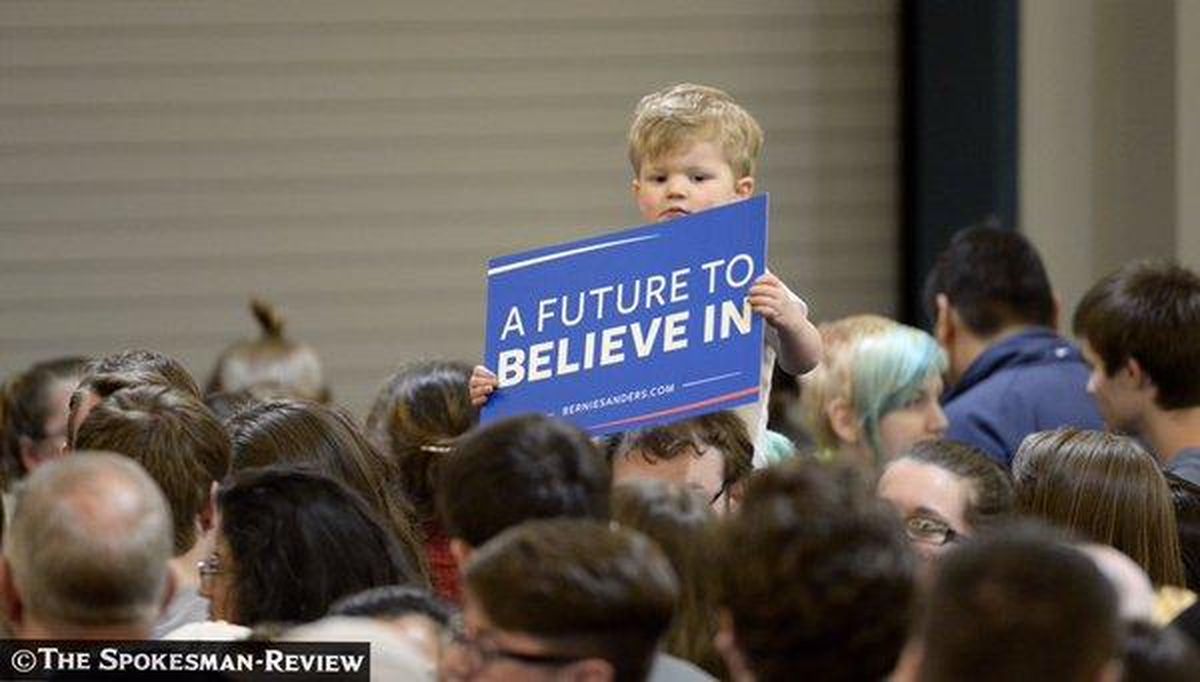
x: 632, y: 329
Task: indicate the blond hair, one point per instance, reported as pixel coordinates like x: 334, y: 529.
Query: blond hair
x: 666, y: 120
x: 832, y: 377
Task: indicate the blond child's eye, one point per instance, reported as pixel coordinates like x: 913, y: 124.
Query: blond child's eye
x: 699, y: 178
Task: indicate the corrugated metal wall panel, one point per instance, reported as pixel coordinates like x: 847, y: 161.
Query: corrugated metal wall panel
x: 359, y: 162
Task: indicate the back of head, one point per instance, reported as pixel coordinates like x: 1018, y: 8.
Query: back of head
x: 325, y: 438
x: 587, y: 590
x: 832, y: 378
x: 1128, y: 314
x: 301, y: 540
x: 1185, y: 496
x: 139, y: 360
x: 1107, y: 489
x: 816, y: 576
x: 89, y: 544
x: 993, y: 278
x: 174, y: 437
x: 1154, y: 654
x: 683, y: 525
x: 273, y: 360
x: 27, y: 406
x: 417, y: 417
x: 667, y: 120
x: 1018, y: 605
x: 393, y: 601
x: 521, y: 468
x: 993, y: 496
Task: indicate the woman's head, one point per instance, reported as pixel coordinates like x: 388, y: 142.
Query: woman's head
x: 879, y: 392
x: 416, y: 418
x: 273, y: 361
x: 34, y: 408
x: 326, y: 439
x: 1107, y: 489
x: 291, y: 542
x: 681, y: 521
x: 946, y: 490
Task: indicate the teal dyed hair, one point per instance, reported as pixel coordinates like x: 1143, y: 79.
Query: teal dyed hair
x: 889, y: 370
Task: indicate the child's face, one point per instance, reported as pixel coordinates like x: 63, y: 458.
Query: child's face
x: 688, y: 180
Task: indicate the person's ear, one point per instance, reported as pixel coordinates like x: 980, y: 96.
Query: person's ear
x: 725, y: 642
x: 461, y: 551
x: 208, y: 513
x: 844, y: 421
x: 1056, y: 310
x: 10, y: 599
x: 1140, y: 378
x: 636, y: 186
x: 590, y: 670
x: 944, y: 328
x: 168, y: 591
x: 744, y: 187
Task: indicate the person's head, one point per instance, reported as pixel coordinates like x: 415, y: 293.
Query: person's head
x: 273, y: 361
x: 327, y: 439
x: 33, y: 415
x: 521, y: 468
x: 945, y: 492
x: 711, y: 454
x: 1125, y: 320
x: 878, y: 394
x: 411, y: 612
x: 816, y: 579
x: 1107, y: 489
x: 417, y: 417
x: 692, y: 148
x: 86, y: 555
x: 567, y: 599
x: 175, y: 438
x: 986, y: 281
x: 291, y: 542
x: 1158, y: 654
x: 1019, y: 605
x: 1185, y: 496
x: 682, y: 523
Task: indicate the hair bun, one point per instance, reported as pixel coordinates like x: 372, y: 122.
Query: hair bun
x: 268, y: 318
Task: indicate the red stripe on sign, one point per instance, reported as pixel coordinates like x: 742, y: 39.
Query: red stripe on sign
x: 682, y: 408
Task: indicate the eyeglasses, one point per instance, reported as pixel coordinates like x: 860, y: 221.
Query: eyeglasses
x: 930, y: 531
x: 208, y: 569
x: 463, y: 656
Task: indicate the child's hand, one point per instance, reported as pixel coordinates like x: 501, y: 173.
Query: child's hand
x: 781, y: 308
x: 482, y: 384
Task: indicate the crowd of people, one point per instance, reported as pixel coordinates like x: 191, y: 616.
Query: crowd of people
x: 987, y: 502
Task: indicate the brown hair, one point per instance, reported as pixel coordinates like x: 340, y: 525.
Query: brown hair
x: 1129, y: 313
x: 1107, y: 489
x: 272, y: 360
x: 992, y: 498
x: 683, y: 525
x: 25, y: 408
x: 139, y: 360
x: 587, y: 589
x: 174, y: 437
x: 417, y: 417
x: 666, y: 120
x: 297, y: 431
x: 723, y: 431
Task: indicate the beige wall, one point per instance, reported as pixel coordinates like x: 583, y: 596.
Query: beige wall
x: 1109, y: 123
x: 358, y: 162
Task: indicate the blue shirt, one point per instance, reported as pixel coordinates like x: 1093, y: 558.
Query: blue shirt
x: 1186, y: 465
x: 1032, y: 381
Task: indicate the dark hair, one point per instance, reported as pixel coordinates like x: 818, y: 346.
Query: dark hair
x: 816, y: 575
x: 992, y: 499
x: 1105, y: 487
x: 393, y: 601
x: 167, y: 368
x: 1185, y: 497
x: 1018, y: 604
x: 174, y: 437
x: 301, y: 540
x: 327, y: 439
x: 521, y: 468
x: 273, y: 360
x: 1154, y: 654
x: 1130, y: 313
x: 588, y: 590
x: 417, y: 416
x: 993, y: 277
x: 683, y: 525
x: 724, y: 431
x: 25, y: 408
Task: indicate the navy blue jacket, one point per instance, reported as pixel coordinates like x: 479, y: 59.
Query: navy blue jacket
x: 1032, y: 381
